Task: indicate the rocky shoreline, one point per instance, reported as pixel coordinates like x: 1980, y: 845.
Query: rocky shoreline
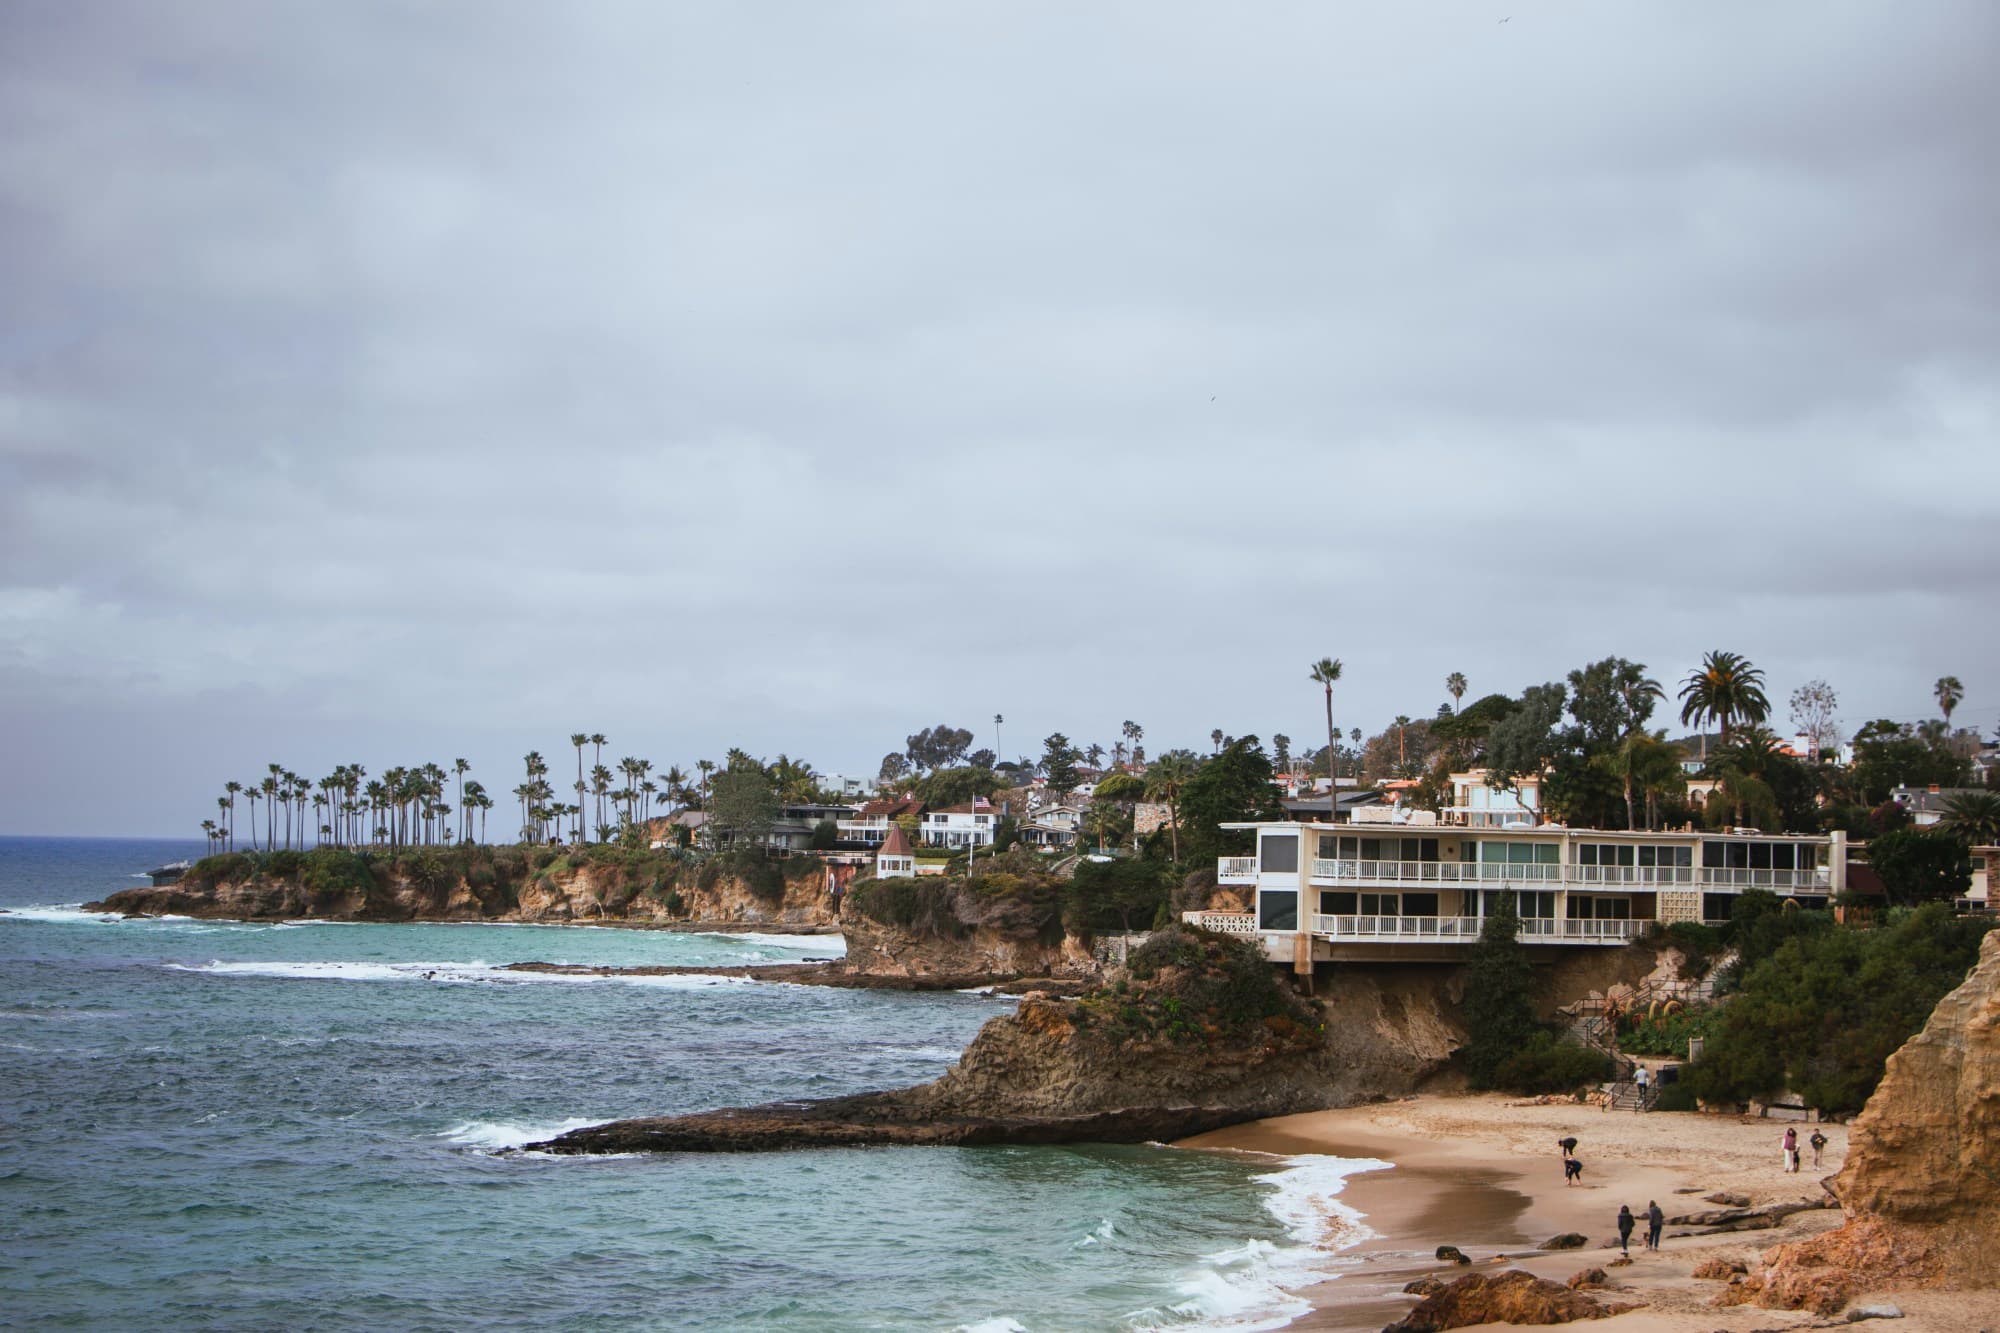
x: 830, y: 973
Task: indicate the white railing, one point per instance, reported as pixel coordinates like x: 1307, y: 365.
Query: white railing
x: 1810, y: 878
x: 1432, y: 872
x: 1229, y: 923
x: 1465, y: 929
x: 1632, y: 875
x: 1236, y: 870
x: 1398, y: 927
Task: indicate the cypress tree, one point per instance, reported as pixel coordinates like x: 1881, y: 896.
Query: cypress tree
x: 1499, y: 995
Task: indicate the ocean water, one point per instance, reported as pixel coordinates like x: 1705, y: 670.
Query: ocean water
x: 217, y: 1125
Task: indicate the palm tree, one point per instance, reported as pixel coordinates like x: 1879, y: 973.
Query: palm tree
x: 1974, y: 816
x: 1215, y: 738
x: 1165, y: 780
x: 1325, y: 672
x: 1133, y: 732
x: 1725, y: 689
x: 1401, y: 758
x: 1454, y: 685
x: 234, y: 789
x: 1949, y: 692
x: 579, y: 740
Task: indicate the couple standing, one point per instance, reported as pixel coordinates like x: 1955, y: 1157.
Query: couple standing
x: 1655, y: 1220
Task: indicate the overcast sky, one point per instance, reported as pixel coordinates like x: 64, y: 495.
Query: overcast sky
x: 392, y: 382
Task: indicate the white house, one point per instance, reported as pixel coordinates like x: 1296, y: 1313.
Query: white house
x: 894, y: 861
x: 970, y: 825
x: 1478, y: 805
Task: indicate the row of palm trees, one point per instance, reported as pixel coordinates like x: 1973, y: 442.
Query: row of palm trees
x: 419, y: 806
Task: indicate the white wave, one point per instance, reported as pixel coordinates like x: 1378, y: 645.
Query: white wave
x: 1255, y: 1285
x: 997, y: 1324
x: 832, y: 946
x: 494, y: 1135
x: 61, y: 912
x: 444, y: 973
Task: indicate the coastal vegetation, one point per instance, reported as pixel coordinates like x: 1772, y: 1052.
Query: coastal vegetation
x: 1819, y: 1007
x: 1506, y: 1047
x: 1188, y: 986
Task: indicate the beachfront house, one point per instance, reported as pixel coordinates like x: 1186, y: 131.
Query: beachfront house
x: 868, y: 827
x: 972, y: 824
x: 1420, y: 888
x: 1052, y: 827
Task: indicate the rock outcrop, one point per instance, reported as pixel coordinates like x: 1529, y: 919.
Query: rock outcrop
x: 1512, y: 1297
x: 1201, y: 1034
x: 1921, y: 1184
x: 597, y: 884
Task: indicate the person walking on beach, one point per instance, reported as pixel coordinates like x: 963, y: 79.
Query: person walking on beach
x: 1791, y: 1149
x: 1625, y: 1223
x: 1643, y: 1077
x: 1655, y: 1221
x: 1818, y: 1142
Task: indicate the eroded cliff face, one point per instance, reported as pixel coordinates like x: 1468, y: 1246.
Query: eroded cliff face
x: 504, y: 884
x: 985, y: 950
x: 1921, y: 1185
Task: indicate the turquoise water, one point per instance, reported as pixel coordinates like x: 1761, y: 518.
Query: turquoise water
x: 217, y: 1125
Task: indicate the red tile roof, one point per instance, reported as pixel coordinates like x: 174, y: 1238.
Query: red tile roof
x: 895, y: 844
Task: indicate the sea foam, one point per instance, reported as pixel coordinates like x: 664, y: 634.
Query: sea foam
x: 1255, y: 1285
x: 445, y: 974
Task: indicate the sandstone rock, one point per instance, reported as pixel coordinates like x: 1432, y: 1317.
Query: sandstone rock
x: 1569, y: 1240
x: 1513, y: 1297
x: 1589, y: 1277
x: 1452, y: 1254
x: 1424, y: 1286
x: 1622, y: 1261
x: 1720, y: 1270
x: 1921, y: 1183
x: 1883, y: 1311
x: 1727, y: 1199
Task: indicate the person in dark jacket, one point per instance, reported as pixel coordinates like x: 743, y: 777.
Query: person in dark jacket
x: 1655, y: 1220
x: 1572, y: 1171
x: 1625, y: 1224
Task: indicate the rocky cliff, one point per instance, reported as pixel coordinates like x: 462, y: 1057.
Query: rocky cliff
x: 1199, y: 1032
x: 599, y: 884
x: 1921, y: 1185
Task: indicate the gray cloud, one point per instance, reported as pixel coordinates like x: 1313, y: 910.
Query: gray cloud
x: 380, y: 380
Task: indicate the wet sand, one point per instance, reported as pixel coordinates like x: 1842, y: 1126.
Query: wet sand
x: 1484, y: 1173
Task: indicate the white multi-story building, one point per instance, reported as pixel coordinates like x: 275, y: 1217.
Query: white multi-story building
x: 1422, y: 891
x: 970, y: 825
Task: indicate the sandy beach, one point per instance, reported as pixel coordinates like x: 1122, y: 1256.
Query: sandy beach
x: 1484, y: 1173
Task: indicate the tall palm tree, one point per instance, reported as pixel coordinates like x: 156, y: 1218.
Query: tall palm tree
x: 1165, y: 780
x: 1401, y: 757
x: 1454, y: 685
x: 1949, y: 692
x: 1725, y: 689
x: 1133, y: 732
x: 1215, y: 739
x: 579, y: 740
x: 1325, y: 672
x: 234, y: 789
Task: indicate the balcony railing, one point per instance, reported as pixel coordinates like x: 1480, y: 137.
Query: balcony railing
x: 1325, y: 870
x: 1465, y: 929
x: 1236, y: 870
x: 1331, y: 871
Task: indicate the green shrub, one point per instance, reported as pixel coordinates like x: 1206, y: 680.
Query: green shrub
x: 283, y: 863
x: 1667, y: 1034
x: 1544, y: 1064
x: 1700, y: 944
x: 1122, y: 895
x: 1197, y: 986
x: 331, y: 872
x: 1821, y: 1015
x: 217, y: 869
x: 1675, y: 1097
x: 921, y: 906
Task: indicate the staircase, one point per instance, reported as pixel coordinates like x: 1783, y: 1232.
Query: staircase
x: 1593, y: 1025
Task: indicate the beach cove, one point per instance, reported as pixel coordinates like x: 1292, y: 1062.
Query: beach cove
x: 1483, y: 1172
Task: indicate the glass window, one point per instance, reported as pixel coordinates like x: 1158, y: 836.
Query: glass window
x: 1540, y: 904
x: 1329, y: 846
x: 1781, y: 856
x: 1337, y: 904
x: 1381, y: 904
x: 1279, y: 854
x: 1420, y: 904
x: 1712, y: 856
x: 1760, y: 856
x: 1278, y: 909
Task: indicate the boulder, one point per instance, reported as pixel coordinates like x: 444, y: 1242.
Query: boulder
x: 1883, y: 1311
x: 1424, y: 1286
x: 1720, y: 1270
x: 1513, y: 1297
x: 1452, y: 1254
x: 1589, y: 1277
x: 1726, y: 1198
x: 1569, y: 1240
